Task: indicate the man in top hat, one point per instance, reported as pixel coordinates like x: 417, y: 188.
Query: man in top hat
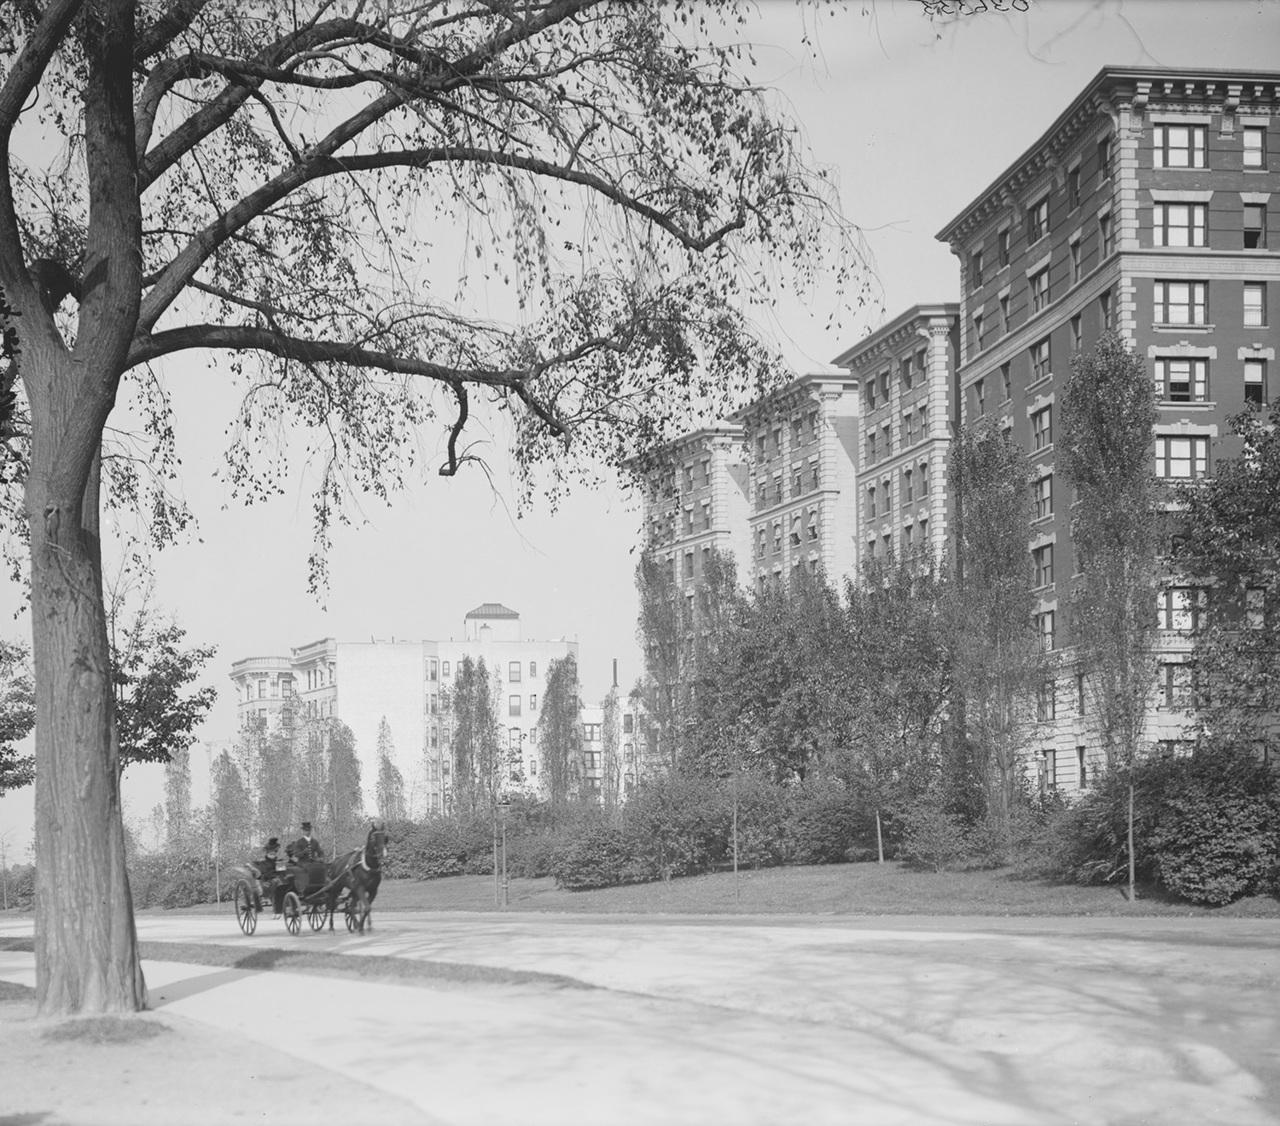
x: 306, y: 848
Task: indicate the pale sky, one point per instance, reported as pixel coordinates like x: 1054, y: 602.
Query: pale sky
x: 913, y: 118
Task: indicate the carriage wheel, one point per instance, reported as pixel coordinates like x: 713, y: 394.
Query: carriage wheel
x: 349, y: 913
x: 317, y: 915
x: 246, y: 911
x: 292, y: 912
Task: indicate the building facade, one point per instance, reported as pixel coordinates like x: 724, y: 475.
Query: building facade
x: 1146, y: 207
x: 906, y: 371
x: 408, y: 683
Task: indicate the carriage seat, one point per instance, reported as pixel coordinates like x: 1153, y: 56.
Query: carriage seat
x: 310, y: 877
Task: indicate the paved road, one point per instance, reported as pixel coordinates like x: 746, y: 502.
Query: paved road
x: 880, y: 1021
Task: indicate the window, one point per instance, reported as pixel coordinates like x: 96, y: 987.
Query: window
x: 433, y: 703
x: 1004, y: 314
x: 980, y: 396
x: 871, y: 394
x: 924, y: 479
x: 1044, y: 629
x: 1105, y: 152
x: 777, y: 488
x: 797, y: 480
x: 1042, y: 428
x: 1254, y: 138
x: 977, y: 331
x: 687, y: 572
x: 1044, y: 496
x: 1046, y: 701
x: 1042, y: 565
x: 591, y: 732
x: 795, y: 530
x: 514, y: 668
x: 923, y: 525
x: 513, y: 705
x: 1077, y: 333
x: 796, y: 431
x: 1181, y: 458
x: 1080, y: 683
x: 533, y: 701
x: 1073, y: 251
x: 1073, y: 187
x: 884, y: 386
x: 777, y: 438
x: 812, y: 420
x: 1049, y: 768
x: 1179, y: 146
x: 871, y: 446
x: 706, y: 515
x: 1179, y: 224
x: 777, y: 537
x: 1181, y: 608
x: 1105, y: 311
x: 1255, y: 304
x: 812, y: 526
x: 975, y: 267
x: 1041, y: 368
x: 1002, y: 247
x: 1181, y: 302
x: 1006, y: 382
x: 1082, y: 768
x: 1255, y: 226
x: 1175, y: 685
x: 908, y: 428
x: 1039, y: 283
x: 1037, y: 220
x: 533, y: 669
x: 1255, y: 381
x: 628, y: 724
x: 433, y: 669
x: 815, y: 473
x: 1255, y: 607
x: 1106, y: 235
x: 904, y: 372
x: 907, y: 492
x: 886, y: 439
x: 1180, y: 380
x: 908, y: 538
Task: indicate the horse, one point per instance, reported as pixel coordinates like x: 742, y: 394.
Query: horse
x: 359, y: 872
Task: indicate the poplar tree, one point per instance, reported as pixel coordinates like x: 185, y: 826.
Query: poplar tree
x: 560, y: 739
x: 1106, y: 417
x: 390, y: 785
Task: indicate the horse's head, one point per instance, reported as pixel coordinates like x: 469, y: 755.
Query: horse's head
x: 375, y: 845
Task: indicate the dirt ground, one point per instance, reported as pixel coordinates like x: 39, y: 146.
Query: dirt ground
x: 163, y: 1070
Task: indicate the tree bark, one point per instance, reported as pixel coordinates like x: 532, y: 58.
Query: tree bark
x: 86, y: 946
x: 1132, y: 861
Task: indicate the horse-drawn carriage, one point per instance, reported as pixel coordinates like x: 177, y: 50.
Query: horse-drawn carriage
x: 314, y: 890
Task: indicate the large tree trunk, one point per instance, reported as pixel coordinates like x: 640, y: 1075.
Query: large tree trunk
x: 86, y: 947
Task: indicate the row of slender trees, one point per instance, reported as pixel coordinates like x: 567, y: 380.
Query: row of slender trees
x: 921, y: 676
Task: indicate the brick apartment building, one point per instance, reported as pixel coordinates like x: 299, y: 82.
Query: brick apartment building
x: 906, y: 371
x: 1146, y: 207
x: 770, y: 487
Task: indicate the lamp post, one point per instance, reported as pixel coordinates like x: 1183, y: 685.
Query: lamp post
x: 503, y: 807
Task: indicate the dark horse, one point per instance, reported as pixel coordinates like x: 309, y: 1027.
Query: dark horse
x: 359, y: 872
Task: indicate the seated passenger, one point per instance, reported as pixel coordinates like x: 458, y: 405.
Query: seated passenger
x: 268, y: 869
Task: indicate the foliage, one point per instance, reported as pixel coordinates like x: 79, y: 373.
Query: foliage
x: 598, y: 856
x: 678, y: 825
x: 932, y: 835
x: 661, y: 633
x: 17, y: 716
x: 177, y: 795
x: 389, y: 791
x: 898, y: 680
x: 1229, y: 532
x: 157, y: 710
x: 611, y: 751
x: 1206, y: 827
x: 1106, y: 417
x: 997, y: 662
x: 560, y: 732
x: 231, y: 808
x: 475, y: 745
x: 342, y: 796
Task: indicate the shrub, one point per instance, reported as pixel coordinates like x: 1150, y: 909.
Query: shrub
x: 677, y: 826
x: 764, y: 816
x: 931, y: 835
x: 596, y: 856
x: 1215, y: 837
x: 826, y: 824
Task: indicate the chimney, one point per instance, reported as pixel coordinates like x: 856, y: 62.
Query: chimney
x: 615, y: 672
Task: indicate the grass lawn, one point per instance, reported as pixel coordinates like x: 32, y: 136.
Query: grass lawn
x: 831, y: 889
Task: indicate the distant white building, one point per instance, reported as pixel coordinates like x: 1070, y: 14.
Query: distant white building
x: 408, y: 683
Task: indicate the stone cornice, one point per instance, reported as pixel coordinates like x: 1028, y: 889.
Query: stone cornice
x: 1136, y: 90
x: 808, y: 389
x: 908, y: 325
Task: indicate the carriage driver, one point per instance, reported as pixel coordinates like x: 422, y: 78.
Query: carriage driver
x: 306, y: 848
x: 267, y: 869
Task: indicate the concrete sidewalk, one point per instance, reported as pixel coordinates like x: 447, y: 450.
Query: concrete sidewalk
x: 762, y: 1022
